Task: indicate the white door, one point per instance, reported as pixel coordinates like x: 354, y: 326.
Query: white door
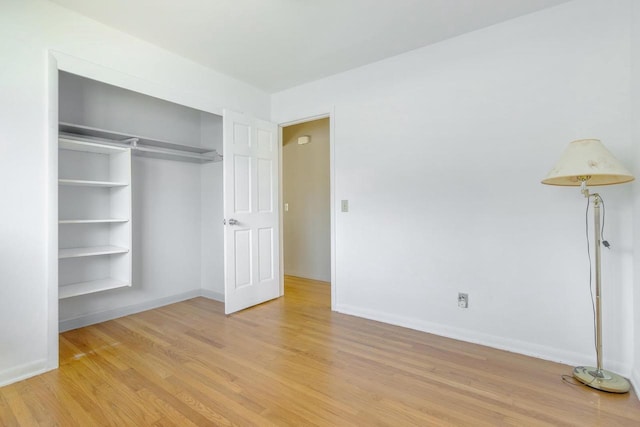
x: 251, y: 209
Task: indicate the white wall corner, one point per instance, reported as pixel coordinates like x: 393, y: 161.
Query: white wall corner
x: 216, y: 296
x: 22, y: 372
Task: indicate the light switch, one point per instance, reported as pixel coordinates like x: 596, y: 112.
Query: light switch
x: 344, y: 205
x: 286, y: 207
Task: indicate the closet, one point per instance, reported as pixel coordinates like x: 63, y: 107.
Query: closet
x: 139, y: 200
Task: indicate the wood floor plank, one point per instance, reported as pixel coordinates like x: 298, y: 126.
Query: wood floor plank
x: 292, y: 361
x: 8, y: 415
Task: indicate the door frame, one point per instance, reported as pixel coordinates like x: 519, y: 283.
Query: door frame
x: 332, y: 203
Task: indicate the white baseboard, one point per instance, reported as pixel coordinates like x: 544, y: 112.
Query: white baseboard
x: 501, y: 343
x: 22, y: 372
x: 103, y: 316
x: 307, y: 276
x: 28, y: 370
x: 216, y: 296
x: 635, y: 381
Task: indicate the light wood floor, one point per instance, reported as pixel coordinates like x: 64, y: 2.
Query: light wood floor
x: 294, y: 362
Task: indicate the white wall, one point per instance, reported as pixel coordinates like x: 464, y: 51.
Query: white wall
x: 635, y: 132
x: 440, y: 153
x: 306, y: 188
x: 30, y: 30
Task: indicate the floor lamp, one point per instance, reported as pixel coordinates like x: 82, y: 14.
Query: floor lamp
x: 588, y: 162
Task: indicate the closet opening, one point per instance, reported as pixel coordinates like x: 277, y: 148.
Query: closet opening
x: 306, y: 202
x: 140, y: 206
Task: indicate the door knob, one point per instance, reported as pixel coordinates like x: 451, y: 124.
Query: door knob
x: 233, y: 221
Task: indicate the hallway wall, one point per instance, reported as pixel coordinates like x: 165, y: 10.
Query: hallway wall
x: 306, y: 191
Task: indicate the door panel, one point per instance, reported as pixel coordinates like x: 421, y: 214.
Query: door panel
x: 242, y: 241
x: 242, y: 184
x: 252, y: 249
x: 265, y: 185
x: 241, y: 135
x: 265, y: 140
x: 265, y: 261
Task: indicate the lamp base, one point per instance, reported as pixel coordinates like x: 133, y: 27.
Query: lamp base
x: 601, y: 379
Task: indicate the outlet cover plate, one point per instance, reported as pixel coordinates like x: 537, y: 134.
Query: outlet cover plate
x: 463, y: 300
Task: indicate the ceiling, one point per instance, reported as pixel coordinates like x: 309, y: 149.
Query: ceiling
x: 277, y: 44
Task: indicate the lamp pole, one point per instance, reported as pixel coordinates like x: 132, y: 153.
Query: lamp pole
x: 597, y: 201
x: 597, y: 377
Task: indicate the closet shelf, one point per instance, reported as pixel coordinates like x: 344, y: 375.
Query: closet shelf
x: 92, y: 221
x: 92, y: 251
x: 141, y: 145
x: 88, y: 146
x: 166, y: 154
x: 87, y: 183
x: 83, y: 288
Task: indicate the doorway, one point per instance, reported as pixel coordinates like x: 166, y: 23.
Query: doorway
x: 306, y: 200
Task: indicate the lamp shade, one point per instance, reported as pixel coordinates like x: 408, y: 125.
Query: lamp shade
x: 587, y: 159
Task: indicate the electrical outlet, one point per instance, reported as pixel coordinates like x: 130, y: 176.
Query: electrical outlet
x: 344, y: 205
x: 463, y: 300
